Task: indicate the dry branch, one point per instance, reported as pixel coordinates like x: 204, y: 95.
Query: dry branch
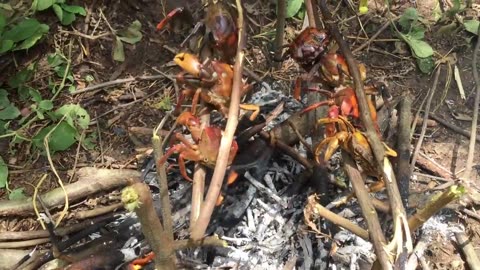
x: 435, y: 204
x: 425, y: 117
x: 473, y: 129
x: 468, y: 250
x: 220, y: 168
x: 313, y: 207
x: 138, y: 198
x: 368, y: 211
x: 281, y: 14
x: 25, y: 235
x: 402, y: 235
x: 98, y: 211
x: 403, y: 148
x: 90, y: 181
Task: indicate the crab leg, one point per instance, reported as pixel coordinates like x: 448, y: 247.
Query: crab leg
x: 251, y: 107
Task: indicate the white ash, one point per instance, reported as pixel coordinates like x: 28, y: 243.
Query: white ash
x: 439, y: 226
x: 351, y: 250
x: 267, y: 97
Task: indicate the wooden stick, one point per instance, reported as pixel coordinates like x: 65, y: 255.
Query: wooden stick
x: 470, y: 254
x: 138, y: 198
x: 227, y: 139
x: 403, y: 148
x: 425, y: 117
x: 473, y: 129
x: 313, y: 207
x: 373, y: 224
x: 398, y: 211
x: 90, y: 181
x: 281, y: 14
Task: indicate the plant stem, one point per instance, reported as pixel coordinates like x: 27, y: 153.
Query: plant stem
x: 138, y: 197
x: 473, y: 129
x: 281, y: 14
x: 227, y: 139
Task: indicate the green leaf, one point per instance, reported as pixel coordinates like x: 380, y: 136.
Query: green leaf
x: 43, y: 4
x: 132, y: 34
x: 4, y: 101
x: 3, y: 173
x: 426, y: 65
x: 293, y: 6
x: 417, y: 32
x: 16, y: 194
x: 74, y: 9
x: 36, y: 96
x: 3, y: 128
x: 61, y: 138
x: 75, y: 114
x: 68, y: 18
x: 89, y: 78
x: 3, y: 22
x: 409, y: 16
x: 90, y: 140
x: 6, y: 45
x: 471, y: 26
x: 9, y: 112
x: 22, y: 31
x: 118, y: 52
x: 32, y: 40
x: 55, y: 59
x: 21, y: 77
x: 420, y: 48
x: 58, y: 11
x: 45, y: 105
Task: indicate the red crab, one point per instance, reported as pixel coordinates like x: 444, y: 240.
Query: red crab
x: 212, y: 82
x: 220, y: 29
x: 205, y: 146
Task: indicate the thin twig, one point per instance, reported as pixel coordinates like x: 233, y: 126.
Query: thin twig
x: 198, y: 185
x: 93, y: 121
x: 227, y: 139
x: 310, y: 13
x: 425, y: 117
x: 166, y: 207
x: 473, y: 129
x: 98, y: 211
x: 403, y: 148
x: 451, y: 126
x: 118, y: 81
x: 313, y: 207
x: 374, y: 36
x: 281, y: 14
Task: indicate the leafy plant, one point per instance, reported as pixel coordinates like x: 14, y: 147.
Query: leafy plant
x: 413, y: 34
x: 65, y: 13
x: 3, y: 173
x: 293, y: 7
x: 21, y: 36
x: 471, y: 26
x: 130, y: 35
x: 59, y: 64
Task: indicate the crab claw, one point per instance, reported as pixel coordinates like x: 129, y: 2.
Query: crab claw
x: 189, y: 63
x: 192, y: 123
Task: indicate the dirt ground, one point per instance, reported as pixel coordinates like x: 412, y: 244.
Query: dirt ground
x: 115, y: 115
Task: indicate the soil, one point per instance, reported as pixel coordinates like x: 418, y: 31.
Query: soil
x: 118, y: 147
